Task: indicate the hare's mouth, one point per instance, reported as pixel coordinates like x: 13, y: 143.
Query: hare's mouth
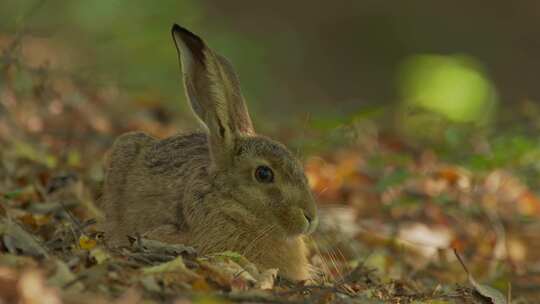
x: 294, y: 222
x: 312, y: 225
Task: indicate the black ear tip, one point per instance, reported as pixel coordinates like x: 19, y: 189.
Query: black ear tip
x: 185, y: 34
x: 176, y: 28
x: 192, y: 41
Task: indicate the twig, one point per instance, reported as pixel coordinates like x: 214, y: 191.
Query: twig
x: 74, y: 221
x: 461, y: 262
x: 501, y: 240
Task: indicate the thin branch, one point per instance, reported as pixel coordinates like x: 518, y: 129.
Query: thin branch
x: 461, y: 262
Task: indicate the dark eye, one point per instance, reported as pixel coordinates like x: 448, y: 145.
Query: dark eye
x: 263, y: 174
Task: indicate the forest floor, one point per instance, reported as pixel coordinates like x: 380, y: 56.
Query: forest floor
x: 394, y: 217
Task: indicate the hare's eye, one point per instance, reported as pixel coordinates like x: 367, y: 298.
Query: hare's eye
x: 264, y: 174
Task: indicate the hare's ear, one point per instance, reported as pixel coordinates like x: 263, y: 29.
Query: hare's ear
x: 213, y: 91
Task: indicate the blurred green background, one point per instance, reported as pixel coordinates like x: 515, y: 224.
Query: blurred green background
x: 415, y: 66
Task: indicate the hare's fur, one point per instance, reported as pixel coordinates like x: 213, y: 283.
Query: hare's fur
x: 199, y: 189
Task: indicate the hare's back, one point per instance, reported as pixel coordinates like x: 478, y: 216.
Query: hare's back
x: 145, y: 181
x: 176, y: 156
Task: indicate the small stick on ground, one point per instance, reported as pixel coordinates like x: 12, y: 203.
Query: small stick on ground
x: 461, y: 262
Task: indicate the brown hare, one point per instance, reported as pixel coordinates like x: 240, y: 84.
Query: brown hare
x: 225, y: 189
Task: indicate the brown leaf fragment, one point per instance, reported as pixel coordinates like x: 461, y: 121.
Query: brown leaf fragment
x: 215, y: 274
x: 8, y: 282
x: 266, y: 279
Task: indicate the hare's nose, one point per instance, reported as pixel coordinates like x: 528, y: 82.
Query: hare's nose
x: 312, y: 222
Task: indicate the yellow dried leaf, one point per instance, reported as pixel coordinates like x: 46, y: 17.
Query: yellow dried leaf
x: 42, y: 219
x: 86, y: 243
x: 201, y: 285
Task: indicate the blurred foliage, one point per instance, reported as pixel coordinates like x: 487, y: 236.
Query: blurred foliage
x: 128, y: 42
x: 453, y: 86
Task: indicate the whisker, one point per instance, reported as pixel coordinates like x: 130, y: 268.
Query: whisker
x: 333, y: 256
x: 333, y: 260
x: 254, y: 241
x: 323, y: 190
x: 325, y: 268
x: 314, y: 268
x: 346, y: 266
x: 261, y: 236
